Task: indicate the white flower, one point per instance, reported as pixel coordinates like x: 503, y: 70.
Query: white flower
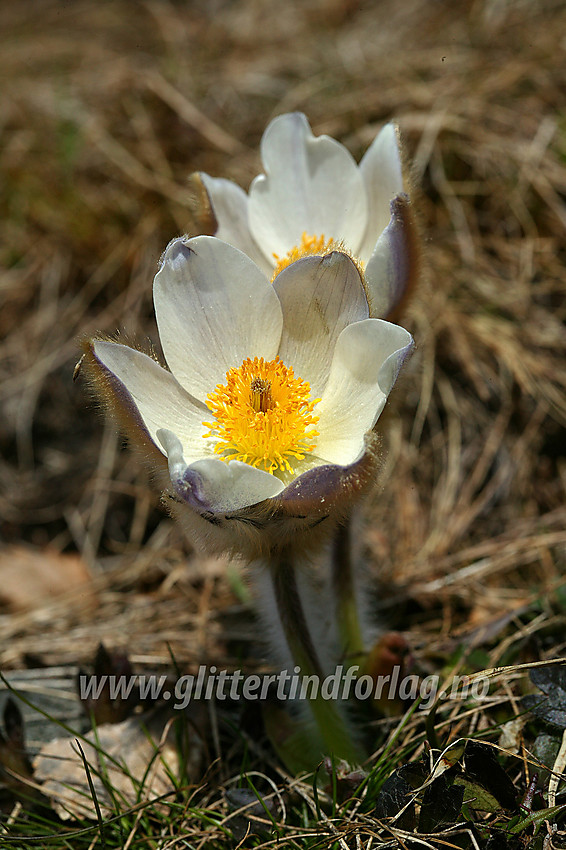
x: 272, y: 388
x: 313, y: 197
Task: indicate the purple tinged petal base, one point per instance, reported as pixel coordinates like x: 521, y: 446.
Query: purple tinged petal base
x: 393, y: 269
x: 302, y: 515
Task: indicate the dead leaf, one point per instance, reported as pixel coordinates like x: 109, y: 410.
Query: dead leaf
x: 511, y: 736
x: 32, y: 576
x: 137, y: 758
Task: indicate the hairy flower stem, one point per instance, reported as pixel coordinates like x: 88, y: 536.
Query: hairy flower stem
x: 331, y: 723
x: 345, y: 597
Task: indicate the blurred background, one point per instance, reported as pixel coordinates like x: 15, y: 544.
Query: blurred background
x: 107, y: 108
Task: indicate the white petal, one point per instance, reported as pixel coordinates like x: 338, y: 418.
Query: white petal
x: 214, y: 308
x: 230, y: 207
x: 392, y: 263
x: 213, y: 485
x: 311, y: 184
x: 160, y: 400
x: 233, y: 485
x: 366, y: 362
x: 383, y: 179
x: 175, y: 454
x: 320, y: 296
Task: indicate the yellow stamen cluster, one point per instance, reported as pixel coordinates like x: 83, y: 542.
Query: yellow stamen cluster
x: 263, y: 415
x: 310, y: 246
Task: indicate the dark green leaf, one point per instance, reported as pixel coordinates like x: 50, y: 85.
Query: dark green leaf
x: 545, y: 749
x: 482, y: 768
x: 392, y: 798
x: 549, y: 678
x: 547, y: 708
x: 551, y: 708
x: 477, y: 796
x: 441, y: 806
x: 535, y: 820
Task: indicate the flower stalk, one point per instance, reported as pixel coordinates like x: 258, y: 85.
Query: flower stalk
x: 344, y: 593
x: 335, y: 736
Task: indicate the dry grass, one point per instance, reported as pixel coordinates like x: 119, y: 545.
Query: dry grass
x: 107, y: 109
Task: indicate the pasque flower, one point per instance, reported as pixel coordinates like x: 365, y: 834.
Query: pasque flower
x: 264, y: 418
x: 312, y: 198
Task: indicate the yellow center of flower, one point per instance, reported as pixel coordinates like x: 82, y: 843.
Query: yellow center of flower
x: 263, y: 415
x: 310, y: 246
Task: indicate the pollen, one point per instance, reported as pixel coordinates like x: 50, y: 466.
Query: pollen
x: 310, y: 246
x: 263, y: 416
